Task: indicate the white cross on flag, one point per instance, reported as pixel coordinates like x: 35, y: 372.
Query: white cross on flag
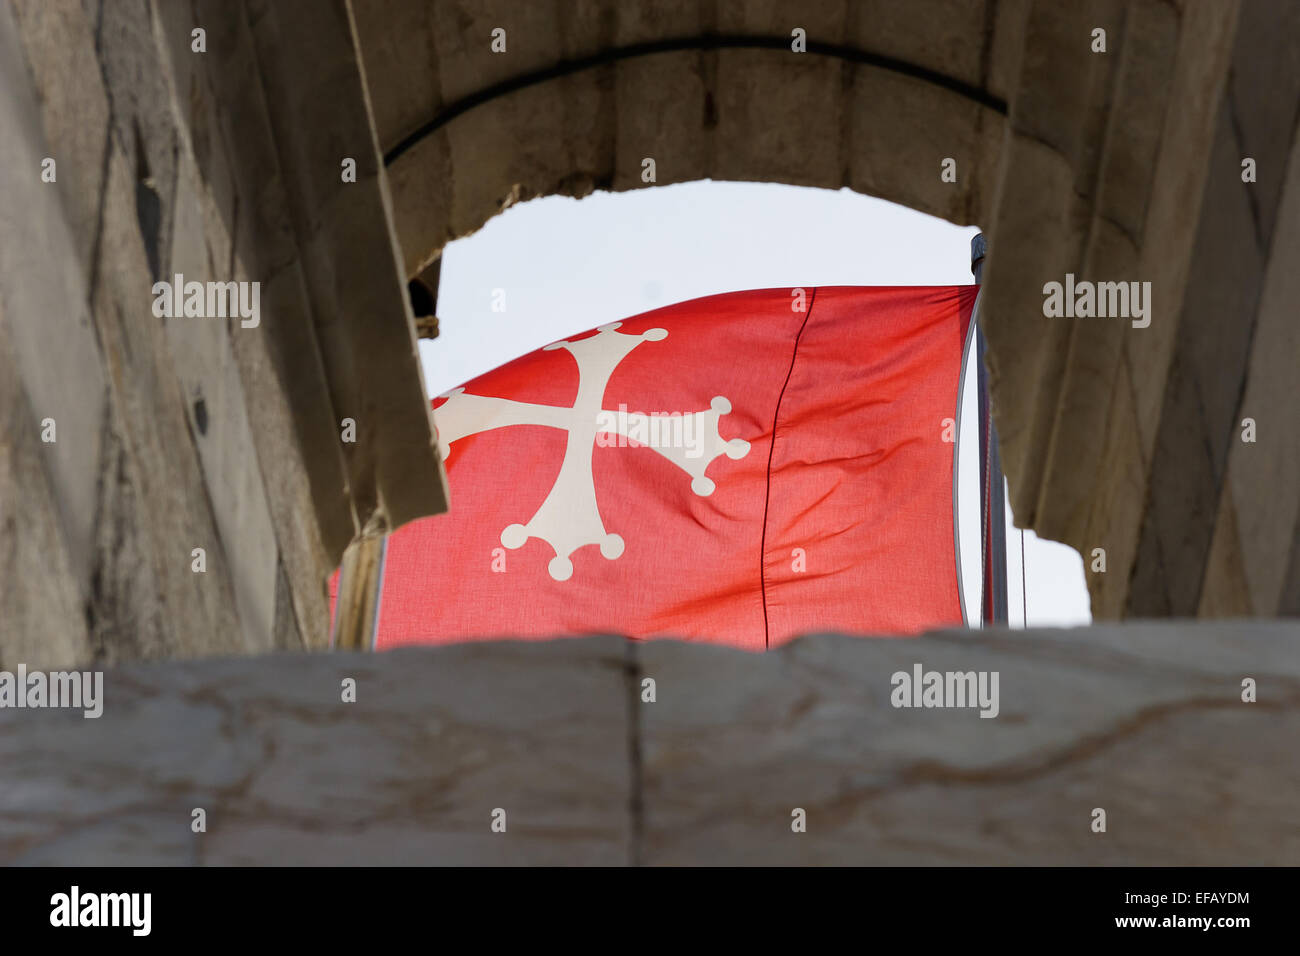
x: 738, y: 469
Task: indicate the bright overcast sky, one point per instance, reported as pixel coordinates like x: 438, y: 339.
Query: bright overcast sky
x: 568, y: 265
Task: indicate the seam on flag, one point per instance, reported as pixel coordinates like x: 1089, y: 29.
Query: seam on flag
x: 771, y: 448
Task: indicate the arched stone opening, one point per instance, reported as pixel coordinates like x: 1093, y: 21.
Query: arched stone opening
x: 1114, y: 159
x: 1150, y: 141
x: 731, y: 104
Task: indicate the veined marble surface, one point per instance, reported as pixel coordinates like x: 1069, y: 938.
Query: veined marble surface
x: 1145, y: 721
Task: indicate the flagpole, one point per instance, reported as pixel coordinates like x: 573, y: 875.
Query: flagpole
x: 993, y: 593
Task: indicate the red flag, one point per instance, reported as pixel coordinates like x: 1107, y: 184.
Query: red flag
x: 738, y: 469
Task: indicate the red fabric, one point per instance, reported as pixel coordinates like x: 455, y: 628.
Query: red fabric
x: 842, y: 522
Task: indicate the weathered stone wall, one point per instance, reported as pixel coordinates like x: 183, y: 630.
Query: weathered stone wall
x: 1130, y: 439
x: 731, y: 113
x: 225, y: 164
x: 1145, y: 722
x: 173, y: 434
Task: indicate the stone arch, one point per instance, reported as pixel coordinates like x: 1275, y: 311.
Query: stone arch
x: 583, y: 110
x: 1121, y: 165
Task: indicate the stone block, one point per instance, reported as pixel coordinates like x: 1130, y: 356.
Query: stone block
x: 205, y: 365
x: 803, y: 147
x: 947, y: 36
x: 1260, y: 501
x: 422, y: 220
x: 319, y: 114
x: 462, y: 32
x: 1133, y: 720
x: 40, y: 588
x: 43, y: 298
x: 290, y: 774
x: 661, y: 101
x: 153, y: 488
x: 73, y: 110
x: 400, y: 53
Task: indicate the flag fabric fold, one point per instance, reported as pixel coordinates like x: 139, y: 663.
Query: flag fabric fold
x: 738, y: 469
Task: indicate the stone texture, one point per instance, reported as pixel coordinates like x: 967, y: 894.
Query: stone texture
x: 155, y: 505
x: 73, y: 110
x: 1145, y: 721
x: 1206, y: 375
x: 735, y: 743
x: 804, y: 148
x: 910, y: 171
x: 320, y: 115
x: 402, y: 74
x: 229, y: 106
x: 209, y: 377
x: 43, y: 291
x: 951, y: 37
x: 1117, y: 507
x: 44, y: 617
x: 290, y: 774
x: 190, y: 432
x: 660, y: 102
x: 1259, y: 519
x: 699, y: 113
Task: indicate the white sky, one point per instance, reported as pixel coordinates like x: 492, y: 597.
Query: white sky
x: 568, y: 265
